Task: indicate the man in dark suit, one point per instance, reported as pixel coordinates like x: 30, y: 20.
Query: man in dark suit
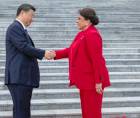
x: 22, y: 71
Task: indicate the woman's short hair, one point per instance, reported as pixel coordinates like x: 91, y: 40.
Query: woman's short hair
x: 89, y: 14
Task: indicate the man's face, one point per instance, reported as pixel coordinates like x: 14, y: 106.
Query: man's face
x: 27, y: 17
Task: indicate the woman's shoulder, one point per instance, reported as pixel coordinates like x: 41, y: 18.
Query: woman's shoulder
x: 79, y: 34
x: 93, y: 30
x: 93, y: 33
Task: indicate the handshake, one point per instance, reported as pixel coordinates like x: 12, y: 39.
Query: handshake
x: 49, y: 55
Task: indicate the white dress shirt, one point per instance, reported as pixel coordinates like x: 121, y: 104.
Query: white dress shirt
x: 21, y: 23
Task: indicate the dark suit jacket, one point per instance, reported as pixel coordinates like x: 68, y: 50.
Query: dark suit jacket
x: 21, y: 57
x: 87, y: 65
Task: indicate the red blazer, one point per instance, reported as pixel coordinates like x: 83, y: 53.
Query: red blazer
x: 87, y: 65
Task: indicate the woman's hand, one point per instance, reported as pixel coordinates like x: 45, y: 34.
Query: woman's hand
x: 99, y: 89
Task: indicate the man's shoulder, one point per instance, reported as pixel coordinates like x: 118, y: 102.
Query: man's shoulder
x: 14, y: 26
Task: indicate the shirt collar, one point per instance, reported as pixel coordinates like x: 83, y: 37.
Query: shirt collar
x: 21, y: 23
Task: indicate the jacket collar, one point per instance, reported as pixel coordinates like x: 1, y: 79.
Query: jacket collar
x: 89, y: 28
x: 21, y: 23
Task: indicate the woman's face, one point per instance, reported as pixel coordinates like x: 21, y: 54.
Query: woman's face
x: 82, y: 23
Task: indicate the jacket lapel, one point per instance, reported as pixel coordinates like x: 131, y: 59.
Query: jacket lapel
x: 25, y: 33
x: 29, y: 38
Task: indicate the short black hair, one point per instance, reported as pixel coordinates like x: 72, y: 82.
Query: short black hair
x: 89, y: 14
x: 25, y: 7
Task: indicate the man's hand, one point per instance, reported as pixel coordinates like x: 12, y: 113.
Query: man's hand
x: 99, y: 89
x: 50, y: 55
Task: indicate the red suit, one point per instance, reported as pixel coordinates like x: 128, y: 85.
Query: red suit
x: 87, y: 67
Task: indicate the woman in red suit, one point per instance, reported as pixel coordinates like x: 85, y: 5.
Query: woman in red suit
x: 87, y: 66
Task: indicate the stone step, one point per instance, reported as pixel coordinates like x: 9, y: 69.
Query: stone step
x: 69, y: 41
x: 105, y: 50
x: 50, y: 104
x: 108, y: 61
x: 58, y: 84
x: 64, y: 69
x: 64, y: 4
x: 49, y: 19
x: 58, y: 36
x: 65, y: 9
x: 70, y: 36
x: 69, y: 33
x: 66, y: 28
x: 129, y: 112
x: 42, y: 11
x: 107, y: 56
x: 57, y: 30
x: 44, y: 38
x: 70, y: 25
x: 105, y: 45
x: 65, y: 62
x: 75, y: 4
x: 64, y: 76
x: 111, y: 16
x: 73, y: 93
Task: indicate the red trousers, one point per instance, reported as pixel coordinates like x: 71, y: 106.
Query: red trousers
x: 91, y: 103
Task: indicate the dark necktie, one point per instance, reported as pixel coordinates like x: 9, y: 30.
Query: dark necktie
x: 28, y: 36
x: 26, y: 31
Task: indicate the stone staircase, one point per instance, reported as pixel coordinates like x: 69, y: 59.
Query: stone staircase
x: 54, y: 28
